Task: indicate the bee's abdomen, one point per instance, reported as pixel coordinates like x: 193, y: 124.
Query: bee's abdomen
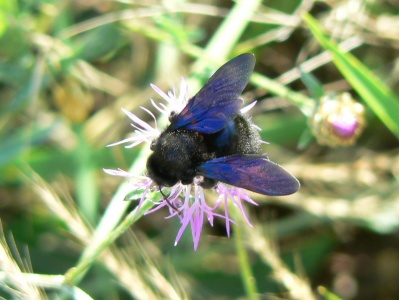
x: 248, y: 138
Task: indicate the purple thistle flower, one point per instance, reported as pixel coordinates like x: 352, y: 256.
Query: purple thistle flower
x: 186, y: 202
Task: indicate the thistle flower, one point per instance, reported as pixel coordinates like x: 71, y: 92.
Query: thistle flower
x: 338, y: 120
x: 186, y: 202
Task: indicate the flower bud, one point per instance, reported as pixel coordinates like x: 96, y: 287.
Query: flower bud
x: 338, y: 121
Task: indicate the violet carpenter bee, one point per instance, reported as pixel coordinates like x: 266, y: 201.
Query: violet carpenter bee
x: 211, y: 141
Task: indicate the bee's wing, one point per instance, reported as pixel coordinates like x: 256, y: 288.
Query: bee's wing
x: 219, y: 100
x: 254, y: 173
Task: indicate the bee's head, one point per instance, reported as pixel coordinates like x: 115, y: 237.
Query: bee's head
x: 159, y: 172
x: 175, y: 156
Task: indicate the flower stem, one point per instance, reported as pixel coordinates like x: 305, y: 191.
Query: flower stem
x: 305, y: 104
x: 243, y: 259
x: 228, y: 33
x: 297, y: 286
x: 106, y: 231
x: 74, y: 275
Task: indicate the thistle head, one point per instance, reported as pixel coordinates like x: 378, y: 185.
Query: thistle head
x: 338, y: 120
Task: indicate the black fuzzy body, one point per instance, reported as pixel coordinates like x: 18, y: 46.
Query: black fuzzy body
x: 177, y: 154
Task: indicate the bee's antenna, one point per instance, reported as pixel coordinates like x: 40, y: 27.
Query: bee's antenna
x: 167, y: 201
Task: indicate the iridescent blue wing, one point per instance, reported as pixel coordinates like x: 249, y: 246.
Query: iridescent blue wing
x: 219, y: 100
x: 254, y: 173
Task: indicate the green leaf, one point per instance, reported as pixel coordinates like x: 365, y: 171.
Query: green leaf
x: 85, y: 178
x: 3, y: 23
x: 305, y: 139
x: 313, y: 85
x: 372, y: 89
x: 327, y: 294
x: 136, y: 194
x: 14, y: 143
x: 97, y: 43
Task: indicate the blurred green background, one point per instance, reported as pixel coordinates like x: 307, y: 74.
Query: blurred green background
x: 66, y: 69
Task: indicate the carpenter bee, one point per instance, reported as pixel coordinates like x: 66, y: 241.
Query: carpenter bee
x: 211, y: 141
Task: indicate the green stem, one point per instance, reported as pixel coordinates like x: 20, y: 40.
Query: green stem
x: 228, y: 33
x: 91, y: 253
x: 105, y: 234
x: 117, y: 207
x: 243, y: 259
x: 305, y: 104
